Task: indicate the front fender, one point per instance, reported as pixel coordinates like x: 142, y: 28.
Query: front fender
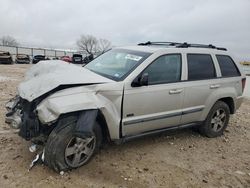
x: 109, y: 104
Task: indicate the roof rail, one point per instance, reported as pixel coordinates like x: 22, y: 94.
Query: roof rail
x: 182, y: 45
x: 160, y: 43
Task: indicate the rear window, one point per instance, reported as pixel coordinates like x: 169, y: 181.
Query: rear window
x: 200, y: 67
x: 4, y: 53
x: 39, y: 56
x: 22, y: 56
x: 77, y: 55
x: 227, y: 66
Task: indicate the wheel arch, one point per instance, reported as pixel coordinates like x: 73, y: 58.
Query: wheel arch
x: 230, y: 102
x: 100, y: 118
x: 228, y: 99
x: 104, y: 126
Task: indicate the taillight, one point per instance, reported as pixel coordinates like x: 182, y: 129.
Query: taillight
x: 243, y: 81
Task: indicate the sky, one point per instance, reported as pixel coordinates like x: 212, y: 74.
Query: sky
x: 58, y: 23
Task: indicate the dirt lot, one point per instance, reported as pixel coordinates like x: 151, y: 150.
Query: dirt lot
x: 176, y: 159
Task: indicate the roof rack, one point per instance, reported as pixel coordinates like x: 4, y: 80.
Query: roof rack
x: 182, y: 45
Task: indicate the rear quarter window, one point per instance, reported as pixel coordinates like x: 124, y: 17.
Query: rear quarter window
x: 227, y: 66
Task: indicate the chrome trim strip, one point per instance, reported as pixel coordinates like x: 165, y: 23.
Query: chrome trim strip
x: 152, y: 118
x: 192, y: 110
x: 141, y: 120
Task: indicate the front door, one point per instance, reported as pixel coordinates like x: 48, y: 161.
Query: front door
x: 157, y: 105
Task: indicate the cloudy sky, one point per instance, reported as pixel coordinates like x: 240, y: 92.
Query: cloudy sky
x: 58, y: 23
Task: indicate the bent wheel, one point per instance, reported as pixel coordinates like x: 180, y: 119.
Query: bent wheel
x: 65, y: 151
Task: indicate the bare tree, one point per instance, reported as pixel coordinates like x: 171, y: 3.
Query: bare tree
x: 8, y: 41
x: 91, y: 45
x: 88, y: 44
x: 104, y: 45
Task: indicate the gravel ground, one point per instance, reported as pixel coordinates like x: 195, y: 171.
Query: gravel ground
x: 174, y: 159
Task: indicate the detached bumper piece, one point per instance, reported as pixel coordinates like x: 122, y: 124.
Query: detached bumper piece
x: 29, y: 128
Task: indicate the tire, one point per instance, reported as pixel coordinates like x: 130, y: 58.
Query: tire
x: 61, y: 140
x: 216, y: 123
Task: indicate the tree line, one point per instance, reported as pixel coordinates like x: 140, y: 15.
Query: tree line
x: 8, y: 41
x: 87, y: 44
x: 90, y: 45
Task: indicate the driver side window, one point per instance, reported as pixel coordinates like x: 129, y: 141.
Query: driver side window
x: 165, y: 69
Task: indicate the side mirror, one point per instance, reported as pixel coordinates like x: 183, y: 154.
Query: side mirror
x: 144, y: 79
x: 140, y: 81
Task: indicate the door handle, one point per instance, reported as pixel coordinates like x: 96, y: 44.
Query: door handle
x: 175, y: 91
x: 214, y: 86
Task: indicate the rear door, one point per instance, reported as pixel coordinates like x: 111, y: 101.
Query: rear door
x: 157, y: 105
x: 200, y: 85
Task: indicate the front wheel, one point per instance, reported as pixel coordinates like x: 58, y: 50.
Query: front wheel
x: 65, y: 151
x: 78, y: 151
x: 216, y: 121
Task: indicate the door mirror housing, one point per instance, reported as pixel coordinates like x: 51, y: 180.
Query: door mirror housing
x: 144, y: 79
x: 140, y: 80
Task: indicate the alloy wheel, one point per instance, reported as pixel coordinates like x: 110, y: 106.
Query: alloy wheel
x: 218, y: 120
x: 79, y: 150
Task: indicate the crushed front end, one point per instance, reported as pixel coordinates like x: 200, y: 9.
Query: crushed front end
x: 21, y: 114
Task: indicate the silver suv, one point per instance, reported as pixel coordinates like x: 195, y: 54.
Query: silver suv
x: 126, y: 93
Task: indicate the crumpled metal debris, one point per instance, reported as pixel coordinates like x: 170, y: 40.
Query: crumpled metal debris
x: 39, y: 158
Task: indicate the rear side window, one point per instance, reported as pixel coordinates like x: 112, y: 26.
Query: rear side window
x: 200, y: 67
x: 227, y: 66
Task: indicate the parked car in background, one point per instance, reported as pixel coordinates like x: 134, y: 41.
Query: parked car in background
x: 38, y: 58
x: 66, y: 58
x: 22, y: 59
x: 87, y: 59
x: 77, y: 59
x: 5, y: 58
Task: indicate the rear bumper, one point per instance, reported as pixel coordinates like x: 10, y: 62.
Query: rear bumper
x: 2, y: 61
x: 22, y: 61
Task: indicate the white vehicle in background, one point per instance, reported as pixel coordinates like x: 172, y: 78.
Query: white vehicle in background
x: 126, y: 93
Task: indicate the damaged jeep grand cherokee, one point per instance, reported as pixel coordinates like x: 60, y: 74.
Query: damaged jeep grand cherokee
x: 127, y: 92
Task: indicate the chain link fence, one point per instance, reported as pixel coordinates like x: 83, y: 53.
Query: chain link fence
x: 50, y: 53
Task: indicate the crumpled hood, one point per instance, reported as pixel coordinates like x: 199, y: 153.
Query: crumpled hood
x: 48, y: 75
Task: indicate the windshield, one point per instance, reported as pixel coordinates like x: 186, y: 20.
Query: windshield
x: 22, y: 56
x: 117, y: 64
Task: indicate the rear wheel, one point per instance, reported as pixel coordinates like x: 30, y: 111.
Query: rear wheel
x: 65, y: 151
x: 216, y: 121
